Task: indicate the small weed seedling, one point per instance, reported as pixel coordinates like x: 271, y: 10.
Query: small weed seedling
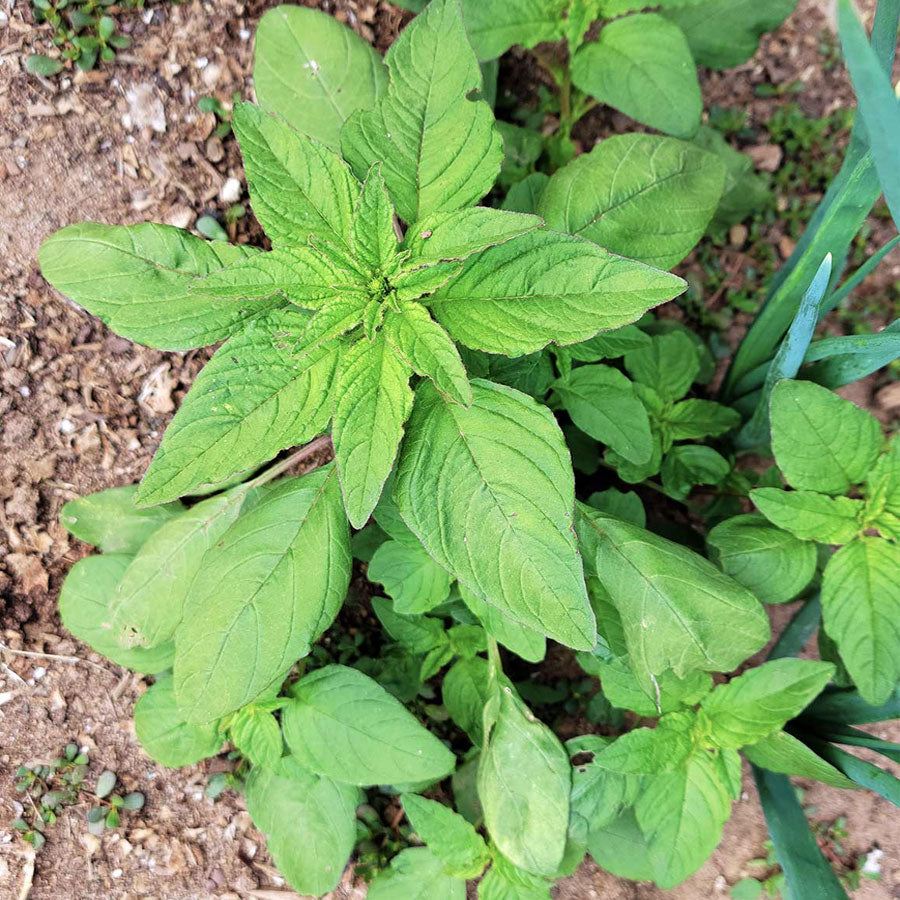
x: 47, y: 790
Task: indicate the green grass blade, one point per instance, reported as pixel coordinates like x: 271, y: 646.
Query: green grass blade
x: 853, y: 737
x: 842, y: 360
x: 836, y: 297
x: 849, y: 708
x: 865, y: 774
x: 809, y: 877
x: 799, y: 630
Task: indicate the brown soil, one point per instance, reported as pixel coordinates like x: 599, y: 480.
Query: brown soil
x: 83, y: 410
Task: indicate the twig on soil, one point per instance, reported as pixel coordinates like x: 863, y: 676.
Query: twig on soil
x: 34, y: 654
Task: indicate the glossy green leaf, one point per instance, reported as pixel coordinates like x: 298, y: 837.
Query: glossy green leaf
x: 418, y: 634
x: 620, y: 505
x: 111, y: 522
x: 524, y: 781
x: 439, y: 148
x: 678, y: 611
x: 811, y: 516
x: 343, y: 725
x: 603, y: 404
x: 257, y: 734
x: 642, y: 66
x: 298, y: 187
x: 313, y: 71
x: 531, y: 645
x: 309, y: 823
x: 252, y: 399
x: 503, y: 524
x: 759, y: 702
x: 276, y: 580
x: 860, y: 610
x: 372, y: 402
x: 669, y: 365
x: 165, y: 735
x: 693, y: 419
x: 543, y: 288
x: 85, y: 607
x: 821, y: 441
x: 411, y: 578
x: 373, y: 242
x: 137, y: 279
x: 688, y: 465
x: 448, y: 836
x: 771, y: 562
x: 464, y: 691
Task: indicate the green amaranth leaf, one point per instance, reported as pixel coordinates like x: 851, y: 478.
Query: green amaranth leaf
x: 276, y: 580
x: 298, y: 187
x: 411, y: 578
x: 459, y: 234
x: 494, y: 28
x: 439, y: 148
x: 650, y: 751
x: 525, y: 195
x: 504, y: 881
x: 371, y: 404
x: 165, y: 735
x: 137, y: 279
x: 419, y: 634
x: 543, y: 288
x: 609, y: 344
x: 416, y: 874
x: 688, y: 465
x: 503, y: 524
x: 821, y: 441
x: 782, y: 752
x: 524, y: 781
x: 642, y: 66
x: 669, y: 365
x: 85, y: 602
x: 372, y: 238
x: 696, y: 419
x: 309, y: 823
x: 682, y: 816
x: 603, y: 404
x: 345, y: 726
x: 465, y: 692
x: 771, y: 562
x: 252, y: 399
x: 448, y: 836
x: 625, y: 505
x: 304, y: 275
x: 860, y: 612
x: 149, y: 600
x: 111, y: 522
x: 725, y: 33
x: 313, y: 71
x: 598, y: 794
x: 642, y: 196
x: 624, y: 691
x: 759, y: 702
x: 811, y: 516
x: 428, y: 350
x: 257, y: 734
x: 678, y: 611
x: 525, y: 642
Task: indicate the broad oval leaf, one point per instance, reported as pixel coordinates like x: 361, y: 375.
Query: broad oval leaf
x: 371, y: 404
x: 524, y: 782
x: 767, y: 560
x: 276, y: 580
x: 439, y: 148
x: 344, y: 725
x: 811, y: 516
x: 821, y: 442
x: 252, y: 399
x: 165, y: 735
x: 313, y: 71
x: 759, y: 702
x: 309, y: 822
x: 602, y: 403
x: 85, y: 602
x: 416, y: 874
x: 137, y: 279
x: 544, y: 287
x: 111, y: 522
x: 523, y: 641
x: 411, y: 578
x: 643, y: 196
x: 642, y: 66
x: 502, y: 524
x: 149, y: 600
x: 494, y: 27
x: 465, y: 692
x: 299, y: 188
x: 782, y: 752
x: 678, y: 610
x: 860, y: 612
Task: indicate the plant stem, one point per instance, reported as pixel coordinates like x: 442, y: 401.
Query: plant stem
x: 310, y: 449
